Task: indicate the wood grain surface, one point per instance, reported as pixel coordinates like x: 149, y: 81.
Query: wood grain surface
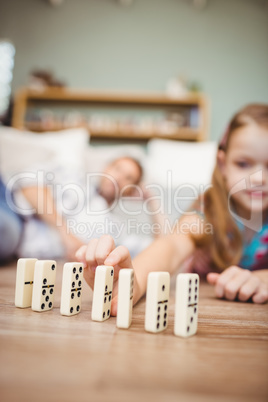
x: 49, y: 357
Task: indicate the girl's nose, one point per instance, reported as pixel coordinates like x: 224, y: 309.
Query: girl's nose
x: 257, y: 178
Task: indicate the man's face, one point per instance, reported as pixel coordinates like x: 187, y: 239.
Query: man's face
x: 124, y: 173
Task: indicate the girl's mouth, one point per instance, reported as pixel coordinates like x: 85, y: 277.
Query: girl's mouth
x: 257, y: 193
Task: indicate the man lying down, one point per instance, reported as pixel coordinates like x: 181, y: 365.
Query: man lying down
x: 61, y: 210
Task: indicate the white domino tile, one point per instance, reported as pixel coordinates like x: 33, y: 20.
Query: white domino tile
x: 125, y: 298
x: 71, y: 290
x: 157, y: 299
x: 102, y: 293
x: 186, y: 305
x: 44, y: 285
x: 24, y: 282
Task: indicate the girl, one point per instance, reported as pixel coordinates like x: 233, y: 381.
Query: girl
x: 235, y: 250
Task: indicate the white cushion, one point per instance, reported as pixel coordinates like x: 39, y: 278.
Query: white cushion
x: 187, y: 162
x: 23, y: 150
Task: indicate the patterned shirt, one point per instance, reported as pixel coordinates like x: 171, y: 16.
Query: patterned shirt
x: 255, y: 251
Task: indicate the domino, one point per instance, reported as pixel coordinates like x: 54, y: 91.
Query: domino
x: 71, y: 290
x: 125, y: 298
x: 102, y: 295
x: 24, y: 282
x: 186, y: 305
x: 44, y: 285
x: 157, y: 298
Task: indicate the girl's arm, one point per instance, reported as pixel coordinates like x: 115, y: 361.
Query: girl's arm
x: 164, y: 254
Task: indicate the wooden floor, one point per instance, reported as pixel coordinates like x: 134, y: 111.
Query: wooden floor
x: 48, y: 357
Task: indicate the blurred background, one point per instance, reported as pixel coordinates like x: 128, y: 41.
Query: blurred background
x: 219, y: 47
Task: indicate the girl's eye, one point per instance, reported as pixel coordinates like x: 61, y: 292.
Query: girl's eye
x: 243, y: 164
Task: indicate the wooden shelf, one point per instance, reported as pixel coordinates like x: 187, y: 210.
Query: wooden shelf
x: 27, y: 97
x: 71, y: 95
x: 181, y: 134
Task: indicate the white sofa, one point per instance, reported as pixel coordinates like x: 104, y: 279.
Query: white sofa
x: 175, y: 171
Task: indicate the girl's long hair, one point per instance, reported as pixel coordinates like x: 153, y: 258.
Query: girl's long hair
x: 225, y: 244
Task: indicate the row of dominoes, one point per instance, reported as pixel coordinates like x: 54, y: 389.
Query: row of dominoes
x: 35, y: 284
x: 35, y: 287
x: 157, y: 300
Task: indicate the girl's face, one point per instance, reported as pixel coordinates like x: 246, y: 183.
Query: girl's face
x: 245, y: 168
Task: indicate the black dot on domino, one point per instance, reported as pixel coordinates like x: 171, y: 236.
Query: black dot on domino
x: 158, y: 317
x: 195, y: 297
x: 74, y: 270
x: 163, y: 288
x: 196, y: 289
x: 189, y: 298
x: 80, y: 269
x: 53, y: 267
x: 71, y: 310
x: 73, y: 284
x: 191, y: 319
x: 103, y: 315
x: 112, y: 272
x: 165, y: 323
x: 44, y: 292
x: 79, y: 284
x: 79, y: 294
x: 105, y: 299
x: 165, y: 315
x: 108, y: 312
x: 158, y: 309
x: 72, y: 295
x: 106, y: 287
x: 42, y: 306
x: 195, y: 310
x: 50, y: 305
x: 77, y: 277
x: 165, y: 307
x: 157, y: 326
x: 196, y: 281
x: 44, y: 281
x: 190, y: 281
x: 47, y: 298
x: 188, y: 329
x: 51, y: 291
x: 77, y: 308
x: 110, y: 298
x: 190, y: 290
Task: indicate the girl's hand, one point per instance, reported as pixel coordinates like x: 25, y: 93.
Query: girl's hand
x: 102, y: 251
x: 239, y: 283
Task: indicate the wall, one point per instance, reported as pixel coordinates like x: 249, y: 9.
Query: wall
x: 102, y: 45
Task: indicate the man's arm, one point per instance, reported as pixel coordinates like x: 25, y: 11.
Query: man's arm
x: 42, y: 201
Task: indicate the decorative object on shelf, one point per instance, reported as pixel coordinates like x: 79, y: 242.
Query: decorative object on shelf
x: 39, y: 79
x: 194, y: 86
x: 177, y: 87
